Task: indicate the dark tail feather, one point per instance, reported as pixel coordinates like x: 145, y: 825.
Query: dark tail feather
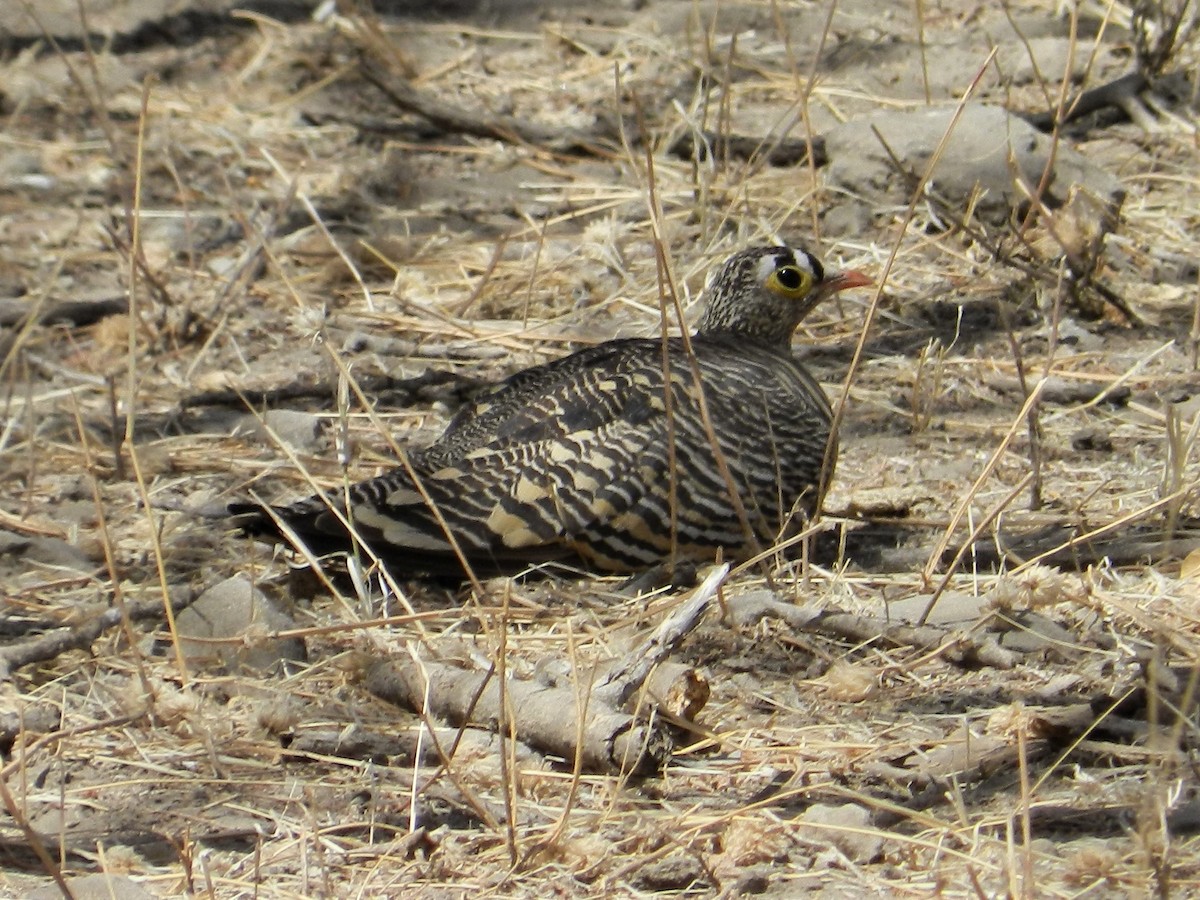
x: 261, y: 521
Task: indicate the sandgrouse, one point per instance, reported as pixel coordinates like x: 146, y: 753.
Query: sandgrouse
x: 592, y: 460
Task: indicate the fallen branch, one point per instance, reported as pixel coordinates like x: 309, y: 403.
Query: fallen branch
x: 958, y: 647
x: 429, y: 382
x: 55, y: 643
x: 438, y: 111
x: 404, y: 748
x: 547, y: 717
x: 566, y: 718
x: 782, y: 152
x: 1121, y: 93
x: 1060, y: 391
x: 629, y: 675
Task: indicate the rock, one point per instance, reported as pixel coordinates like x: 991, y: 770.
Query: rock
x: 984, y: 145
x: 236, y: 609
x: 953, y: 609
x: 95, y: 887
x: 677, y: 871
x: 850, y: 830
x: 1092, y: 439
x: 1032, y: 632
x: 300, y: 431
x: 51, y: 552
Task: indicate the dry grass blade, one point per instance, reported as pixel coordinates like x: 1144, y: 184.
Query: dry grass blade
x: 350, y: 222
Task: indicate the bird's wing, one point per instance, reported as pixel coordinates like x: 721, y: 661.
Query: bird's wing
x: 576, y: 453
x: 523, y: 406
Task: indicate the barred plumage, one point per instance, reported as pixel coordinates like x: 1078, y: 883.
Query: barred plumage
x: 573, y: 460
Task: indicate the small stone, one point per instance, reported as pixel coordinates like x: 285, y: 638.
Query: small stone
x: 849, y: 830
x: 50, y: 552
x: 756, y: 880
x: 298, y: 430
x: 95, y: 887
x: 1092, y: 439
x: 229, y: 625
x: 985, y: 147
x: 676, y: 871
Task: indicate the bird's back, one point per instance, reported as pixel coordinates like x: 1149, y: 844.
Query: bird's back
x: 587, y: 459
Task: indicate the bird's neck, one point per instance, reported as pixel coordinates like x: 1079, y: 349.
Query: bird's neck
x: 755, y: 339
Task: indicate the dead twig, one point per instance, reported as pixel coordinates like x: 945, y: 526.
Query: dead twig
x: 455, y: 119
x: 587, y: 725
x: 547, y: 717
x: 440, y: 381
x: 630, y: 674
x: 54, y: 643
x: 957, y: 647
x: 783, y: 152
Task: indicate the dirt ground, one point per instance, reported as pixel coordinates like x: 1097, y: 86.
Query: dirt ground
x: 254, y: 249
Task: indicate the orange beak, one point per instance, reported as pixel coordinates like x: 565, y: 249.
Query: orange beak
x: 840, y: 281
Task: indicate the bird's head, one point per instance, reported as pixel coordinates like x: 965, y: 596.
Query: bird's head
x: 763, y: 293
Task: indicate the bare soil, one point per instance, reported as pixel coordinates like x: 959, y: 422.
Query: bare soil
x: 209, y: 215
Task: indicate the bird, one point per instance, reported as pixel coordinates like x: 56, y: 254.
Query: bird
x: 620, y: 456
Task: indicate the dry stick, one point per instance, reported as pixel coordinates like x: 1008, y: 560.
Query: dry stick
x: 660, y: 265
x: 461, y: 308
x: 54, y: 643
x: 1026, y: 803
x: 506, y: 726
x: 1152, y: 59
x: 542, y: 716
x: 806, y: 90
x: 1178, y: 449
x: 655, y: 210
x: 1032, y: 422
x: 316, y: 219
x: 598, y: 736
x: 582, y: 699
x: 965, y: 503
x: 937, y: 641
x: 631, y: 673
x: 118, y: 591
x: 710, y: 433
x: 839, y: 409
x: 135, y: 232
x: 1195, y: 335
x: 1037, y: 207
x: 666, y: 285
x: 34, y: 840
x: 724, y: 113
x: 1055, y: 136
x: 250, y: 262
x: 969, y: 543
x: 446, y: 756
x: 920, y: 8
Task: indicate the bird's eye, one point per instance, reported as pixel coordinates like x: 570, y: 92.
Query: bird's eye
x: 791, y: 281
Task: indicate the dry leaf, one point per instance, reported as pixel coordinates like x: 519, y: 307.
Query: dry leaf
x: 1190, y: 567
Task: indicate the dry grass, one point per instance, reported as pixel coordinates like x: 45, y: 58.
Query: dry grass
x: 274, y: 229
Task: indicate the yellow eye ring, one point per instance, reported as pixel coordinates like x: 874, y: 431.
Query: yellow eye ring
x: 790, y: 281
